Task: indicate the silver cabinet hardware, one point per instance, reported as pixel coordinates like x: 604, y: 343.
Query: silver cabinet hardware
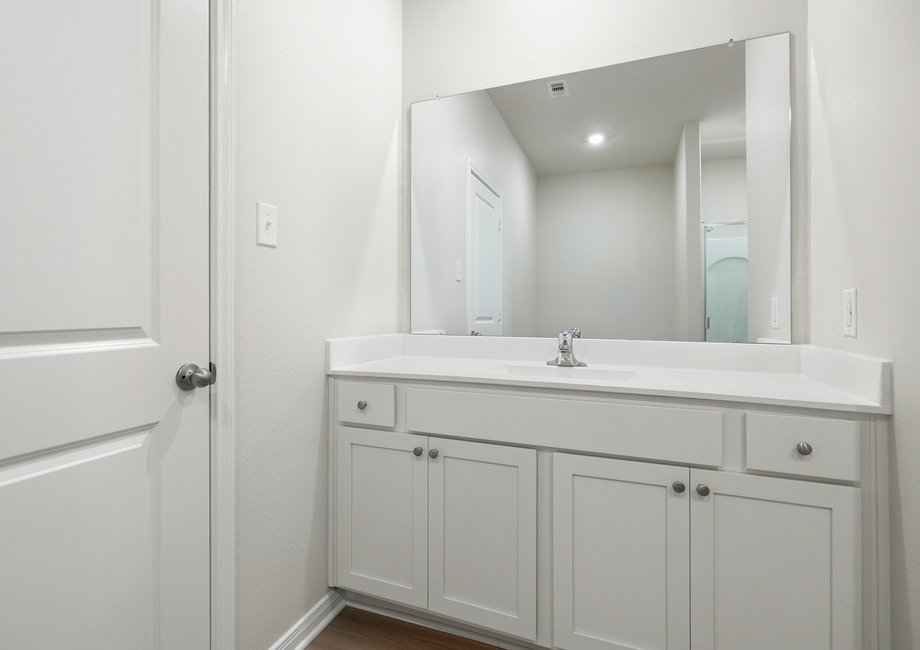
x: 362, y: 405
x: 803, y: 448
x: 418, y: 451
x: 702, y: 490
x: 190, y: 377
x: 678, y: 487
x: 433, y: 453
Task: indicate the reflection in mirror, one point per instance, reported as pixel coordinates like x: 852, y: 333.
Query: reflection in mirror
x: 647, y: 200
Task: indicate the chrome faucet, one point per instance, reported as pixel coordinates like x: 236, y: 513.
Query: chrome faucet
x: 566, y: 355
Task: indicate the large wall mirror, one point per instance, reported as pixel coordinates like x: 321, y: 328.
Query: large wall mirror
x: 646, y: 200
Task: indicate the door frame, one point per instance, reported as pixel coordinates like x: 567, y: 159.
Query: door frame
x: 222, y: 329
x: 472, y: 169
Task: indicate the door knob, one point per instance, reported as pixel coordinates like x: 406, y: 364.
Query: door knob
x: 678, y: 487
x: 190, y: 377
x: 702, y: 490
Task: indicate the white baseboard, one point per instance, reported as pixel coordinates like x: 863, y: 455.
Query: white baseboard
x: 306, y: 629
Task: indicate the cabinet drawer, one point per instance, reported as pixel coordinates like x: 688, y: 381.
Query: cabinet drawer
x: 379, y: 401
x: 772, y: 442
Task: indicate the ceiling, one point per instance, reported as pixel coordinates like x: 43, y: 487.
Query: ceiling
x: 639, y: 107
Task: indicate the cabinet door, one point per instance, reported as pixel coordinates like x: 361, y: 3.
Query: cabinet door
x: 382, y: 514
x: 483, y: 535
x: 621, y: 554
x: 775, y: 563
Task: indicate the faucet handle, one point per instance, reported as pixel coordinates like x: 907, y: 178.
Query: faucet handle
x: 576, y: 333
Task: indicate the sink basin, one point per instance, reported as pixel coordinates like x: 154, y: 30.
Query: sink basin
x: 562, y: 372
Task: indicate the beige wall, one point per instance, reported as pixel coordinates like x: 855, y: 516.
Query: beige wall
x: 451, y: 47
x: 864, y: 102
x: 317, y: 109
x: 606, y: 253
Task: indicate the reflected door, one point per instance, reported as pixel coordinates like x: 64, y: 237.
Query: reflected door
x: 104, y: 486
x: 484, y: 258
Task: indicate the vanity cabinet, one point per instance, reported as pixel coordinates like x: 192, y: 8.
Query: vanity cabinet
x: 440, y: 524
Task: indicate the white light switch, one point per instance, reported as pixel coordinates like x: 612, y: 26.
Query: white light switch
x: 267, y: 224
x: 774, y: 312
x: 849, y: 312
x: 459, y: 271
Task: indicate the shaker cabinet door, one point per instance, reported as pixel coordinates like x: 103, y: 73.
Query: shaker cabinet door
x: 621, y: 554
x: 382, y: 514
x: 483, y: 535
x: 775, y: 563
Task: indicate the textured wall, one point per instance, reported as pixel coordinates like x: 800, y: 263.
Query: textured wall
x: 452, y: 47
x: 317, y: 109
x: 864, y: 85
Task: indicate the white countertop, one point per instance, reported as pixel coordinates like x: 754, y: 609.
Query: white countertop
x: 796, y: 376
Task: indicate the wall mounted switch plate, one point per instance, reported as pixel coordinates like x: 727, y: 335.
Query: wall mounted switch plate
x: 459, y: 271
x: 849, y: 312
x: 774, y: 312
x: 267, y: 225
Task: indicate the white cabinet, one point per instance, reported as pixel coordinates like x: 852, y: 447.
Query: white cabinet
x: 441, y: 524
x: 621, y: 554
x: 775, y: 564
x: 382, y: 514
x: 483, y: 535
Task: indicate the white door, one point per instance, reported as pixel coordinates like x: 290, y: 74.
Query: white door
x: 104, y: 486
x: 484, y: 257
x: 382, y: 514
x: 775, y: 564
x: 483, y: 535
x: 621, y: 554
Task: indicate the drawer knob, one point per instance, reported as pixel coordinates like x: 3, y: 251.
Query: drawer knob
x: 433, y: 453
x: 678, y: 487
x: 702, y: 490
x: 803, y: 448
x: 362, y: 405
x: 418, y: 451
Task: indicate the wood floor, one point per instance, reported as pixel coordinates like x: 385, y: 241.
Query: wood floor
x: 355, y: 629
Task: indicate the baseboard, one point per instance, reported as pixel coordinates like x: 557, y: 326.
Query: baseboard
x: 306, y: 629
x: 369, y: 604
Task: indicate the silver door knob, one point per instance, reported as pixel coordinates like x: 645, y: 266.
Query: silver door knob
x: 702, y: 490
x: 678, y: 487
x: 433, y: 453
x: 362, y: 405
x: 418, y: 451
x: 190, y: 377
x: 803, y: 448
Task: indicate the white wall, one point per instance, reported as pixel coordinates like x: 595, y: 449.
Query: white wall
x: 317, y: 106
x: 451, y: 47
x: 689, y: 308
x: 865, y: 219
x: 724, y: 193
x: 444, y: 134
x: 767, y: 131
x: 606, y: 243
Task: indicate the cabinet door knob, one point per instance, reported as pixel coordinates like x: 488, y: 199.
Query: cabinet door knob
x: 803, y: 448
x: 433, y: 453
x: 702, y: 490
x: 362, y: 405
x: 678, y: 487
x: 418, y: 451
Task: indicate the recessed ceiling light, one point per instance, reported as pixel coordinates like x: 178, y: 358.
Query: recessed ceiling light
x: 597, y: 138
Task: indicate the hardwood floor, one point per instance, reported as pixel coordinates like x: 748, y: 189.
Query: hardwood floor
x: 356, y: 629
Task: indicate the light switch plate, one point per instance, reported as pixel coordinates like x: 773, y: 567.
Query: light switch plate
x: 459, y: 271
x: 267, y: 225
x: 849, y: 312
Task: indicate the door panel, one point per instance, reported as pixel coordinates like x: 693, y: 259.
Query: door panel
x: 776, y: 564
x: 483, y: 535
x: 382, y: 514
x: 484, y: 242
x: 621, y: 554
x: 104, y: 286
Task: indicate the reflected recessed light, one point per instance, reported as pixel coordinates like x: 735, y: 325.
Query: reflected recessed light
x: 597, y: 138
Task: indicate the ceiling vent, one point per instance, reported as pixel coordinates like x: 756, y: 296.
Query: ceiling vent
x: 558, y: 88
